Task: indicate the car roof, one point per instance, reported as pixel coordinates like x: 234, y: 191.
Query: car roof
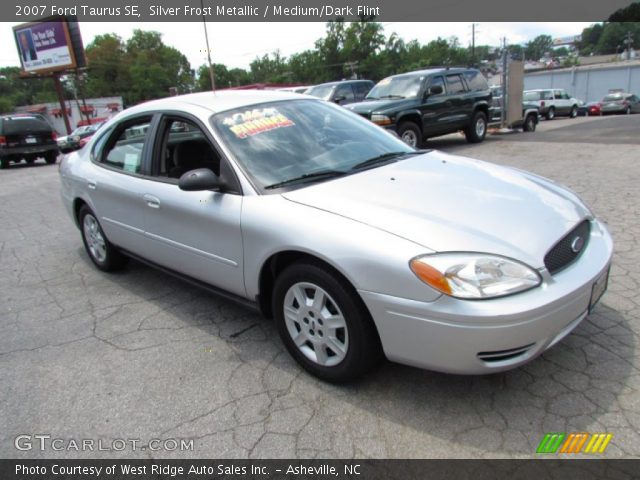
x: 339, y: 82
x: 431, y: 71
x: 218, y: 101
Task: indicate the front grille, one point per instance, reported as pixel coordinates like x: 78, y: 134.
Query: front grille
x: 503, y: 355
x: 562, y: 254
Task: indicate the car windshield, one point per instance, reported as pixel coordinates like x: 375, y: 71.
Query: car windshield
x: 531, y: 96
x: 321, y: 91
x: 299, y: 141
x: 612, y: 98
x: 404, y: 86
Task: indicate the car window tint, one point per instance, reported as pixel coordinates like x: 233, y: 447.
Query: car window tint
x: 126, y: 153
x: 531, y: 96
x: 20, y: 125
x: 361, y: 89
x: 185, y: 148
x: 454, y: 84
x: 344, y: 91
x: 477, y: 82
x: 438, y: 81
x: 547, y: 95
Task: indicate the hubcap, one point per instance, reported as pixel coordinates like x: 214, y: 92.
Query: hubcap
x: 480, y: 127
x: 316, y: 324
x: 409, y: 137
x: 95, y: 240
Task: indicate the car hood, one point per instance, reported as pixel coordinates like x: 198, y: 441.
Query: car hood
x: 450, y: 203
x: 370, y: 106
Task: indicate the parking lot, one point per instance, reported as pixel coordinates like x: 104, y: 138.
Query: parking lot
x: 141, y: 355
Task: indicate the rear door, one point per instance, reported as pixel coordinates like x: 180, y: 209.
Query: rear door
x: 116, y: 182
x: 562, y: 102
x: 459, y: 102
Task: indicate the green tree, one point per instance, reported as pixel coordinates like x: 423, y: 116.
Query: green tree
x: 627, y: 14
x: 224, y: 77
x: 154, y: 68
x: 108, y: 73
x: 589, y: 38
x: 270, y: 69
x: 536, y: 48
x: 614, y: 35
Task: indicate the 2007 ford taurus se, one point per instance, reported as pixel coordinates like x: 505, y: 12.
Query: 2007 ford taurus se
x: 356, y: 244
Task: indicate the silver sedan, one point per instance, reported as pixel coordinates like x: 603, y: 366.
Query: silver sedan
x: 358, y: 246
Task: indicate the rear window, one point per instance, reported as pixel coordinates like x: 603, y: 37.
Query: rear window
x: 476, y: 81
x: 19, y: 125
x: 531, y: 96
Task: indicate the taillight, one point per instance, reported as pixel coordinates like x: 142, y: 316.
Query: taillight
x: 3, y: 140
x: 542, y: 103
x: 54, y: 135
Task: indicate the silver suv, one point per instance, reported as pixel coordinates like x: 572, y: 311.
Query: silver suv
x: 552, y: 102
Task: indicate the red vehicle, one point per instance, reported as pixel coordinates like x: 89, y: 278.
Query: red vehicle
x: 593, y: 108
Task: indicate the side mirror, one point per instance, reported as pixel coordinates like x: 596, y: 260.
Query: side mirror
x: 435, y: 90
x: 339, y: 98
x: 198, y: 180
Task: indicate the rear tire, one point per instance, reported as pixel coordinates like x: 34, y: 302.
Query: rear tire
x: 4, y: 163
x: 551, y: 114
x: 477, y: 130
x: 574, y: 112
x: 529, y: 123
x: 627, y: 111
x: 410, y: 134
x: 102, y: 253
x: 51, y: 158
x: 324, y: 324
x: 29, y: 160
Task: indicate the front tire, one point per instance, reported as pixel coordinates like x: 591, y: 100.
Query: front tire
x: 410, y: 134
x: 323, y: 323
x: 574, y: 112
x: 477, y: 130
x: 101, y: 252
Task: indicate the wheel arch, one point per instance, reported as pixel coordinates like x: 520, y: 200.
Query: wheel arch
x: 410, y: 116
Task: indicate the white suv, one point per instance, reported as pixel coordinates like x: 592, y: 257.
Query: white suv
x: 552, y: 102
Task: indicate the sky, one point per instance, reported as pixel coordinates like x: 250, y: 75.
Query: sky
x: 237, y: 44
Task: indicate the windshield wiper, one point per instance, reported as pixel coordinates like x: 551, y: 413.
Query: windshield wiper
x: 308, y: 177
x: 384, y: 158
x: 392, y: 96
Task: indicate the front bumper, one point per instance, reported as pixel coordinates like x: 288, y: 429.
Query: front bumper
x: 487, y: 336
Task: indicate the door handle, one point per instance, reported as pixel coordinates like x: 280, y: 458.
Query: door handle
x: 153, y: 202
x: 91, y: 184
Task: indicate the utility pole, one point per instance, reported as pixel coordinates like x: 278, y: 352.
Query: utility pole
x: 505, y: 97
x: 628, y: 41
x: 206, y: 37
x: 473, y: 43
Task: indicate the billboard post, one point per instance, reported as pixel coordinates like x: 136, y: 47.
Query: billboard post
x: 63, y: 107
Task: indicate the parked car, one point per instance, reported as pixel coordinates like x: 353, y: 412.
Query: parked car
x: 71, y: 142
x: 528, y: 122
x: 26, y: 137
x: 553, y: 102
x: 620, y: 103
x: 593, y: 109
x: 428, y: 103
x: 354, y: 242
x: 342, y: 93
x: 299, y: 89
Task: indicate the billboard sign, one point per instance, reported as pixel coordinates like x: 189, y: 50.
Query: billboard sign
x: 44, y: 46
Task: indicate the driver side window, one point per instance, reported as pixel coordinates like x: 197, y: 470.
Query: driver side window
x: 184, y: 147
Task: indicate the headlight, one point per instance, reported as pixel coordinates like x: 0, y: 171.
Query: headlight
x: 474, y: 275
x: 75, y: 138
x: 380, y: 119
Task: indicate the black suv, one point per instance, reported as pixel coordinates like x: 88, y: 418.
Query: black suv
x: 342, y: 93
x: 429, y: 103
x: 28, y: 137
